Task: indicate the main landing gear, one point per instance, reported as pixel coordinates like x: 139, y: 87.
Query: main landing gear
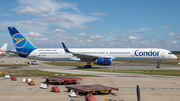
x: 158, y: 66
x: 88, y: 64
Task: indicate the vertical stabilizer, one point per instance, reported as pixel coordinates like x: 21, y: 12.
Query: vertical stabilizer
x: 21, y: 43
x: 4, y: 47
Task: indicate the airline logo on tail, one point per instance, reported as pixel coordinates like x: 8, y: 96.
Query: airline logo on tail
x: 19, y: 40
x: 1, y: 52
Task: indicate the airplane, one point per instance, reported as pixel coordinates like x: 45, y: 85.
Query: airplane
x: 101, y: 56
x: 3, y: 49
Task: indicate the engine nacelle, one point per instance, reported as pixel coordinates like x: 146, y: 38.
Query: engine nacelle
x: 103, y: 61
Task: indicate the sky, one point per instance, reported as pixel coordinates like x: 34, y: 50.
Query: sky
x: 93, y: 23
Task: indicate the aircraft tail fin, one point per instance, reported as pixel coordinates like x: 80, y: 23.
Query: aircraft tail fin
x: 4, y: 47
x: 20, y: 42
x: 65, y: 48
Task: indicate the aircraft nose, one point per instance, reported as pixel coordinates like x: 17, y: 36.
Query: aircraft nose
x: 175, y: 57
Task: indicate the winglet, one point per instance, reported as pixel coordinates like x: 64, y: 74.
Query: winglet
x: 65, y: 48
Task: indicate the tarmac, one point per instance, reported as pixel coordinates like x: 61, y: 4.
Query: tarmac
x: 152, y: 87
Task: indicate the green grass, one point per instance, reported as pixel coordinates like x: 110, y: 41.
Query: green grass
x: 13, y: 65
x: 138, y: 71
x: 34, y: 72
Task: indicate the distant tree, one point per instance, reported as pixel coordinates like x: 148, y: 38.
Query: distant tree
x: 176, y: 52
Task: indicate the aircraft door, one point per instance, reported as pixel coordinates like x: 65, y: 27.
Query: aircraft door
x: 132, y: 54
x: 34, y: 54
x: 60, y: 52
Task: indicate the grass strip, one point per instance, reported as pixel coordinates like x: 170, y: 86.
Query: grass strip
x: 13, y: 65
x: 36, y: 72
x: 139, y: 71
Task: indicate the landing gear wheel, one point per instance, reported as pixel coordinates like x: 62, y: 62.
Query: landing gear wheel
x: 158, y: 67
x: 87, y: 66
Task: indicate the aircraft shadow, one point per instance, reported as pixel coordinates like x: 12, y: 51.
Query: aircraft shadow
x: 94, y: 67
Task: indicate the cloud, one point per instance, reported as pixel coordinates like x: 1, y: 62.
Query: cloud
x: 134, y: 38
x: 52, y: 12
x: 177, y: 35
x: 36, y: 37
x: 171, y: 34
x: 41, y: 39
x: 144, y: 29
x: 82, y: 34
x: 100, y: 14
x: 81, y: 27
x: 168, y: 28
x: 111, y: 33
x: 54, y: 19
x: 90, y: 41
x: 91, y: 27
x: 53, y: 5
x: 136, y: 32
x: 157, y: 29
x: 97, y: 36
x: 111, y: 43
x: 36, y: 24
x: 33, y: 34
x: 76, y: 9
x: 173, y: 42
x: 57, y: 32
x: 37, y: 11
x: 145, y: 43
x: 153, y: 40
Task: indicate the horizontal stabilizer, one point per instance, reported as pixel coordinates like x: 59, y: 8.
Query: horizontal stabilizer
x: 20, y: 53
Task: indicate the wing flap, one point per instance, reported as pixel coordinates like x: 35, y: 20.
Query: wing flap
x: 84, y: 56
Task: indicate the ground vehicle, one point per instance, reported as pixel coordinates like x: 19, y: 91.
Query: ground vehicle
x: 33, y: 62
x: 16, y: 62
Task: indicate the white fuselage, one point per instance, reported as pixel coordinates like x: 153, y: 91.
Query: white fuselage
x: 123, y: 54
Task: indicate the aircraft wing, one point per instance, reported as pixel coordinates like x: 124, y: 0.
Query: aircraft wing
x: 84, y: 56
x: 21, y: 53
x: 81, y: 56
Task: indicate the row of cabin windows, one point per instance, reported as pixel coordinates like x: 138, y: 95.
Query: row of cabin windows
x: 48, y: 52
x: 119, y: 52
x: 88, y: 52
x: 103, y: 52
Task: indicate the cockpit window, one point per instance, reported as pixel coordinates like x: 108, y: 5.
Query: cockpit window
x: 169, y: 53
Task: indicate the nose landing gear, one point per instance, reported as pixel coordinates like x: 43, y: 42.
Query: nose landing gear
x: 158, y: 66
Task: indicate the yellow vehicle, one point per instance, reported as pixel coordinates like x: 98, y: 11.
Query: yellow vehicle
x: 33, y: 62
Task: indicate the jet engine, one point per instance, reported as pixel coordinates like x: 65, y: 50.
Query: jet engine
x: 103, y: 61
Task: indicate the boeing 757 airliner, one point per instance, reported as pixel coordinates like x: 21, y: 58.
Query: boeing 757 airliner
x: 102, y: 56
